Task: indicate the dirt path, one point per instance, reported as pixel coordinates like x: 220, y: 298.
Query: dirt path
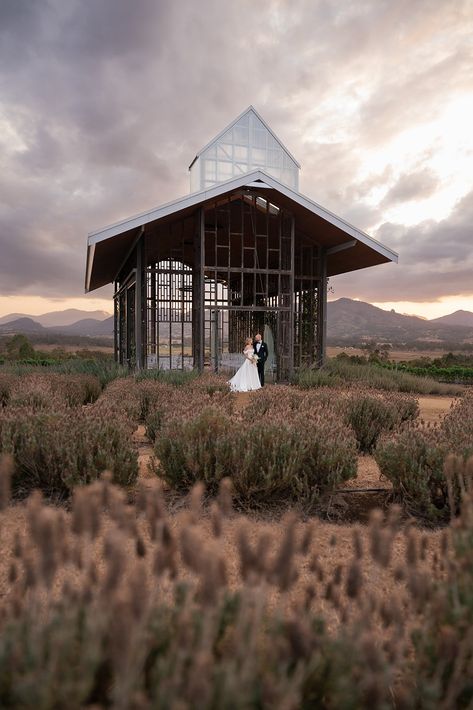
x: 145, y: 452
x: 434, y: 407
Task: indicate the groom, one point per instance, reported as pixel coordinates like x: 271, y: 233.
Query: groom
x: 261, y: 349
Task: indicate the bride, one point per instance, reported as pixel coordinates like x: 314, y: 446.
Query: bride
x: 246, y: 377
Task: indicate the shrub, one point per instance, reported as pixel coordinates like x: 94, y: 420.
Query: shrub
x: 443, y: 648
x: 155, y: 401
x: 371, y: 415
x: 296, y: 460
x: 7, y: 381
x: 414, y: 461
x: 167, y: 620
x: 53, y: 391
x: 55, y: 452
x: 104, y: 370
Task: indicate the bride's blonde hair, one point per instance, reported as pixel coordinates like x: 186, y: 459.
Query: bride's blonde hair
x: 249, y: 341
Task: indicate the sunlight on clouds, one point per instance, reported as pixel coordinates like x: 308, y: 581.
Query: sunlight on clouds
x: 445, y: 145
x: 10, y: 138
x: 442, y: 307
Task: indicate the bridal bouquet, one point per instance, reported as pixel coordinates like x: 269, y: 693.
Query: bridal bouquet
x: 254, y: 358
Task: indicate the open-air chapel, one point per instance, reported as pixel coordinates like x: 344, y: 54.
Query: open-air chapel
x: 244, y: 252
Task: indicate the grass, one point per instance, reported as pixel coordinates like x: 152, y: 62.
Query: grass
x: 339, y: 372
x: 178, y: 378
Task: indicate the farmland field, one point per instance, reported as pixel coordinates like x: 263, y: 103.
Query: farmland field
x: 396, y: 354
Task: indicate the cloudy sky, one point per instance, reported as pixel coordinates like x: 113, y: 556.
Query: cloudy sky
x: 103, y: 104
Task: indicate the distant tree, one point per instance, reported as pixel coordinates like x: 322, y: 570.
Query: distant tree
x: 18, y: 347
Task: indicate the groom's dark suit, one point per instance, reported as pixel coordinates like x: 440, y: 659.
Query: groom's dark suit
x: 263, y: 356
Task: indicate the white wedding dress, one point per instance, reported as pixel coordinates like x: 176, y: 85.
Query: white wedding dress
x: 246, y: 377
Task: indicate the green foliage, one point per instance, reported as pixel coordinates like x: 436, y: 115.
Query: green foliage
x: 297, y: 460
x: 18, y: 347
x: 342, y: 371
x: 178, y: 378
x: 457, y: 374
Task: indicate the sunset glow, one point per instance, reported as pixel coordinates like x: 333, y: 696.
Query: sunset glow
x: 375, y: 102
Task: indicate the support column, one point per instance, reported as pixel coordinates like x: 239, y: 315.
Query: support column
x: 116, y: 306
x: 291, y: 312
x: 322, y: 310
x: 198, y: 295
x: 139, y: 303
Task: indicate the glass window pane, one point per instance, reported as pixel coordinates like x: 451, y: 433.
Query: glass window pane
x: 258, y: 155
x: 224, y: 152
x: 210, y: 170
x: 224, y: 171
x: 240, y: 152
x: 241, y: 135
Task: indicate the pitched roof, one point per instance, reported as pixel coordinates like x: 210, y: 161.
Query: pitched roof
x: 349, y: 248
x: 230, y: 125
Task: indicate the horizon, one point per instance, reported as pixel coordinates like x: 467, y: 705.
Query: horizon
x: 389, y: 151
x: 383, y: 306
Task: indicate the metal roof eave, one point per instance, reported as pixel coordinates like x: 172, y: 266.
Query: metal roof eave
x: 196, y: 198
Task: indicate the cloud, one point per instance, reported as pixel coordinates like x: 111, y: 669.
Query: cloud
x: 436, y: 259
x: 104, y: 104
x: 412, y: 186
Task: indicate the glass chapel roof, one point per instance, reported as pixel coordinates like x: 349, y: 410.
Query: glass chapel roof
x: 247, y: 144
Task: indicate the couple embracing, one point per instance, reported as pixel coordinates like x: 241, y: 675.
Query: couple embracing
x: 250, y: 376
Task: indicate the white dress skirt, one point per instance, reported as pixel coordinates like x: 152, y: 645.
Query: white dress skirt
x: 246, y: 378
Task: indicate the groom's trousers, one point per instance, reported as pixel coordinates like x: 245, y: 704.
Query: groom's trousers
x: 260, y: 366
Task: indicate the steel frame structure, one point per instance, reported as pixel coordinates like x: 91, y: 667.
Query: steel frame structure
x: 188, y: 296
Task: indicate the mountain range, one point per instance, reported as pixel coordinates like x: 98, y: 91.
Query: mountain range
x: 348, y: 322
x: 31, y: 325
x: 58, y: 318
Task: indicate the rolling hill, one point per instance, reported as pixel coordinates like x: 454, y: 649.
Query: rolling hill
x: 349, y: 321
x: 23, y: 324
x: 462, y: 318
x: 58, y: 318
